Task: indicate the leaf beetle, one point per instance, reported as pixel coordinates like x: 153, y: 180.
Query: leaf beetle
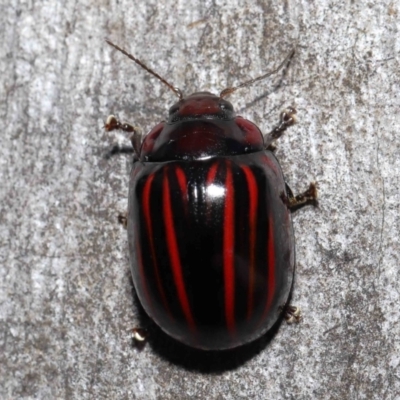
x: 209, y: 221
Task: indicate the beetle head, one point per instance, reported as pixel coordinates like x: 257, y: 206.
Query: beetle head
x: 201, y: 105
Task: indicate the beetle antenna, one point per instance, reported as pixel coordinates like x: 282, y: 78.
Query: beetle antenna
x: 286, y: 61
x: 137, y: 61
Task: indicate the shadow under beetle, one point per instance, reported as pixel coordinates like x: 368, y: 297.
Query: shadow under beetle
x: 209, y: 221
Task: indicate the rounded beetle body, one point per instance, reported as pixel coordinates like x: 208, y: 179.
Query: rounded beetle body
x: 210, y: 233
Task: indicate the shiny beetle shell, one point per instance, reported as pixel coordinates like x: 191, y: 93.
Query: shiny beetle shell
x: 210, y: 233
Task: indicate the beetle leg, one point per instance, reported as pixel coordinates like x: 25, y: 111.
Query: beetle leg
x: 112, y: 124
x: 139, y: 337
x: 123, y: 219
x: 117, y: 149
x: 293, y: 314
x: 309, y: 196
x: 287, y: 118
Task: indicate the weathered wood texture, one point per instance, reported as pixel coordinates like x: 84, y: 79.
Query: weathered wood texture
x: 66, y: 302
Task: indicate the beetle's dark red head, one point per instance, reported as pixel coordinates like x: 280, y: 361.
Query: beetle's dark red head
x: 204, y: 105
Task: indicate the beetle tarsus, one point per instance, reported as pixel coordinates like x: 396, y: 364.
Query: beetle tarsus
x: 112, y: 124
x: 272, y: 148
x: 117, y: 149
x: 293, y: 314
x: 309, y: 196
x: 287, y: 118
x: 123, y: 219
x: 139, y: 337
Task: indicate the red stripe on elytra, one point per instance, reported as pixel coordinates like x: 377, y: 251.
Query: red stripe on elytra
x: 270, y: 267
x: 253, y: 200
x: 211, y: 174
x: 228, y: 252
x: 147, y: 217
x: 180, y: 175
x: 209, y: 181
x: 173, y: 251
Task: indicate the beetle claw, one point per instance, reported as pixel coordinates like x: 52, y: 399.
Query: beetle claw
x: 287, y: 118
x: 293, y: 314
x: 123, y: 219
x: 139, y: 337
x: 310, y: 196
x: 112, y: 124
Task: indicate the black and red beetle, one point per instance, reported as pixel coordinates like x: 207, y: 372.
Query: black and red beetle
x: 209, y: 226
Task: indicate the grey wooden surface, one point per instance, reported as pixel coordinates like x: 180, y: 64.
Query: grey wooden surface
x: 66, y: 300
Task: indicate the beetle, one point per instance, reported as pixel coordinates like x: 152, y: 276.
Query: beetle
x: 209, y: 221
